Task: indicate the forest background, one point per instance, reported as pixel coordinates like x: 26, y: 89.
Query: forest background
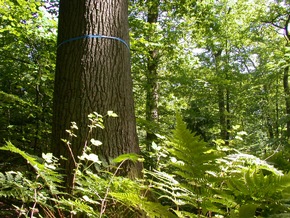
x: 212, y: 102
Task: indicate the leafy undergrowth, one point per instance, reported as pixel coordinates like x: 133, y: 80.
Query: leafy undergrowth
x: 191, y: 179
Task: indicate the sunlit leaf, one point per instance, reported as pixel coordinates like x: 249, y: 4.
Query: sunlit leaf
x: 131, y: 156
x: 96, y: 142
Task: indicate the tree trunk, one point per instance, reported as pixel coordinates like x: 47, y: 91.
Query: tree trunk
x: 276, y: 22
x: 222, y: 113
x: 227, y: 116
x: 287, y: 99
x: 93, y: 75
x: 223, y: 101
x: 286, y: 81
x: 152, y: 75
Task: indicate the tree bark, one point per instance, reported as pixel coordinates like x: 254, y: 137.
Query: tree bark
x: 93, y: 75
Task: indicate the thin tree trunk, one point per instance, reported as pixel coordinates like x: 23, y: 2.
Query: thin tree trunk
x: 285, y: 28
x: 223, y: 102
x: 287, y: 99
x: 93, y: 75
x: 277, y: 109
x: 286, y: 81
x: 222, y: 111
x: 228, y: 121
x: 152, y: 75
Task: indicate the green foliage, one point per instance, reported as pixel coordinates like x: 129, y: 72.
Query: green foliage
x: 97, y: 191
x: 20, y: 191
x: 36, y: 188
x: 152, y: 209
x: 192, y: 177
x: 28, y: 39
x: 202, y: 181
x: 194, y: 157
x: 255, y: 184
x: 190, y: 184
x: 95, y: 194
x: 45, y: 171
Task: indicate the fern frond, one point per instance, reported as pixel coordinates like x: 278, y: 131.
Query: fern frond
x: 13, y: 184
x: 78, y: 206
x: 51, y: 178
x: 151, y: 209
x: 193, y: 155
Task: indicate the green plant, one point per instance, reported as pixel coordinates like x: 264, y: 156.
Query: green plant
x: 188, y: 182
x: 32, y: 189
x: 257, y: 186
x: 98, y: 191
x: 201, y: 181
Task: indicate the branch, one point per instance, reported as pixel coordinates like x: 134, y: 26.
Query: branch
x: 272, y: 22
x: 16, y: 59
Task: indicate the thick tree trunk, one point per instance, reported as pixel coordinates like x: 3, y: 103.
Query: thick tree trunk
x: 93, y: 75
x: 152, y: 75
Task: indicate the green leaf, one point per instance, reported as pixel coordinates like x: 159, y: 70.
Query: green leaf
x: 131, y: 156
x: 247, y: 211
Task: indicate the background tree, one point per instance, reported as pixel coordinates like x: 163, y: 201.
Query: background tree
x: 93, y: 75
x: 152, y: 72
x: 279, y: 18
x: 28, y: 38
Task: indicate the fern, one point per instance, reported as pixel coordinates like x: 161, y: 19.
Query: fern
x: 78, y: 206
x: 190, y: 180
x: 202, y: 181
x: 51, y: 178
x: 150, y: 209
x: 37, y: 189
x: 95, y: 195
x: 14, y: 185
x: 122, y: 193
x: 255, y: 184
x: 196, y: 169
x: 194, y: 157
x: 97, y: 191
x: 197, y: 182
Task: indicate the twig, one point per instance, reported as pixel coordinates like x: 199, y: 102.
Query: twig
x: 276, y: 150
x: 35, y: 202
x: 103, y: 205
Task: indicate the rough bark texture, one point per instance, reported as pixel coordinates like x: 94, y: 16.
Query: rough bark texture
x: 152, y: 94
x: 93, y: 75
